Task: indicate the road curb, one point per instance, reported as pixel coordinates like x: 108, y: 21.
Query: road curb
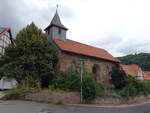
x: 110, y: 106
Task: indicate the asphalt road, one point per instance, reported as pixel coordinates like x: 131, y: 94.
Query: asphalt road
x: 33, y: 107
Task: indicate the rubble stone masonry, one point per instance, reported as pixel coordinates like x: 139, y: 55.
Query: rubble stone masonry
x: 100, y: 68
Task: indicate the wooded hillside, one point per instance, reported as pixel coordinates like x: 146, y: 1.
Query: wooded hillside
x: 142, y: 59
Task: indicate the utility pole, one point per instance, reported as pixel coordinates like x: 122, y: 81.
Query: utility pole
x: 81, y: 64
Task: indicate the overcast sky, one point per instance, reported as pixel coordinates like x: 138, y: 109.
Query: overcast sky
x: 120, y: 26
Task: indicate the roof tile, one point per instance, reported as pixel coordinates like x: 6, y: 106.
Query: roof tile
x: 130, y: 69
x: 146, y: 75
x: 79, y: 48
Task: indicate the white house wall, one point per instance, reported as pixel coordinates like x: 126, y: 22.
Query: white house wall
x: 4, y: 42
x: 140, y: 75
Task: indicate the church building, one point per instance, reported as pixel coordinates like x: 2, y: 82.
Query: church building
x: 72, y: 54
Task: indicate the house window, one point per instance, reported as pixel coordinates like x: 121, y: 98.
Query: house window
x: 59, y: 31
x: 48, y: 31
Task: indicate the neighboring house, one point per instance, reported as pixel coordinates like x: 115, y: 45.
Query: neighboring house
x: 72, y: 54
x: 8, y: 83
x: 5, y: 39
x: 146, y: 75
x: 134, y: 70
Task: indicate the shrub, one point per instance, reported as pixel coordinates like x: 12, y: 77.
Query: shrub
x: 130, y: 79
x: 118, y: 77
x: 59, y: 102
x: 111, y: 93
x: 135, y: 87
x: 129, y: 91
x: 17, y: 94
x: 99, y: 90
x: 50, y: 91
x: 91, y: 89
x: 144, y: 87
x: 71, y: 81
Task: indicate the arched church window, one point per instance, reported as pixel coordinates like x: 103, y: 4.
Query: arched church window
x: 95, y: 70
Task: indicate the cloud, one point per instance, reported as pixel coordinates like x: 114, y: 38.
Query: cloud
x: 136, y: 47
x: 119, y: 26
x: 16, y: 14
x: 120, y: 46
x: 10, y: 14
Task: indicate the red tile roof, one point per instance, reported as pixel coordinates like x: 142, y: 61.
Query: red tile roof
x: 79, y: 48
x: 3, y: 30
x: 130, y: 69
x: 146, y: 75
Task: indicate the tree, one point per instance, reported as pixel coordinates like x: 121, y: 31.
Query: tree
x: 141, y: 59
x: 118, y: 77
x: 31, y: 58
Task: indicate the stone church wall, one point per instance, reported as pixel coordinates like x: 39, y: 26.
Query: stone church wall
x: 103, y: 67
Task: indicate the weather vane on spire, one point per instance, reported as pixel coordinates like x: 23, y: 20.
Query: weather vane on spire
x: 57, y: 7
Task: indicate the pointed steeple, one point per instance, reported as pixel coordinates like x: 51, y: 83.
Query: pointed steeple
x: 56, y: 30
x: 56, y: 22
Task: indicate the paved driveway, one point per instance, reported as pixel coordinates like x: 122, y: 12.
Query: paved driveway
x: 33, y: 107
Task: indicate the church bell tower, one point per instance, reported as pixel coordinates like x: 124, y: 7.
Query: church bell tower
x: 56, y: 30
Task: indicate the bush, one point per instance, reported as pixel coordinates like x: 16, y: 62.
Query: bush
x: 91, y: 89
x: 135, y: 87
x: 99, y: 90
x: 17, y: 94
x: 51, y: 91
x: 71, y: 81
x: 130, y: 79
x: 129, y: 91
x: 118, y: 77
x: 59, y: 102
x: 144, y: 87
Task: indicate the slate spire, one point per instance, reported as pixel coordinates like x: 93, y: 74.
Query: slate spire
x: 56, y: 22
x: 56, y: 30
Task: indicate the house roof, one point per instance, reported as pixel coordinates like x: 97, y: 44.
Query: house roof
x: 130, y: 69
x: 56, y: 22
x: 3, y: 30
x: 146, y: 75
x: 83, y: 49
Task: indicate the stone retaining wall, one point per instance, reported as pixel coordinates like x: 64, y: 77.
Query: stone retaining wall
x: 120, y: 100
x: 74, y: 98
x: 66, y: 98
